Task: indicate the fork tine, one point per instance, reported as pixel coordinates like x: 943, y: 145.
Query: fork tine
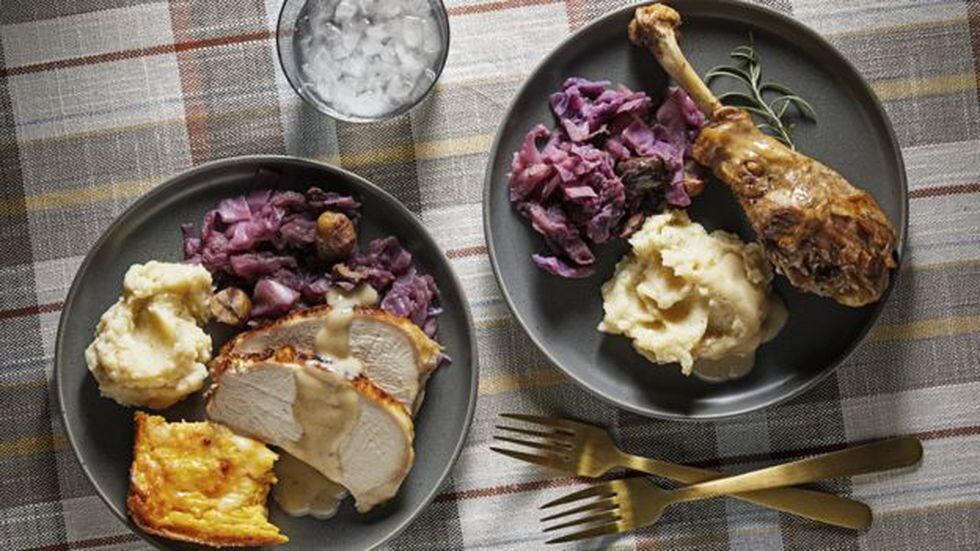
x: 541, y: 420
x: 550, y: 446
x: 601, y: 505
x: 538, y: 433
x: 603, y: 530
x: 603, y: 490
x: 552, y: 462
x: 603, y: 517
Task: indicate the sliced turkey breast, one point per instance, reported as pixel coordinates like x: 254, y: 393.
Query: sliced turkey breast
x: 349, y: 430
x: 395, y: 354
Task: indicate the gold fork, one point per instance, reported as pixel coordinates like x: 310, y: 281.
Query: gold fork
x: 624, y: 505
x: 587, y: 450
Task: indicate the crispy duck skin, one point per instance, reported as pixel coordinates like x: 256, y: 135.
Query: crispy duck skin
x: 825, y: 235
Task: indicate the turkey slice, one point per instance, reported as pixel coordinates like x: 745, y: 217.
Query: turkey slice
x: 395, y: 354
x: 349, y: 430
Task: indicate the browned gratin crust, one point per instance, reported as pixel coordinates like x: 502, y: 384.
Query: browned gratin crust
x: 187, y: 500
x: 201, y: 538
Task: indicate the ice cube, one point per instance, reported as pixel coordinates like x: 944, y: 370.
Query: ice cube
x: 355, y: 66
x: 371, y: 48
x: 325, y: 7
x: 389, y: 9
x: 412, y: 29
x: 368, y: 6
x: 378, y: 32
x: 360, y: 85
x: 369, y: 104
x: 372, y: 43
x: 324, y: 94
x: 322, y: 72
x: 381, y: 66
x: 319, y: 12
x: 388, y: 54
x: 376, y: 83
x: 411, y: 64
x: 398, y: 88
x: 421, y: 8
x: 392, y: 29
x: 320, y: 58
x: 375, y: 66
x: 431, y: 37
x: 352, y: 33
x: 340, y: 52
x: 305, y: 43
x: 310, y: 64
x: 332, y: 36
x: 345, y: 11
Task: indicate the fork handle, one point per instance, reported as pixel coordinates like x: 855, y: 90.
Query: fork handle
x: 877, y: 456
x: 818, y: 506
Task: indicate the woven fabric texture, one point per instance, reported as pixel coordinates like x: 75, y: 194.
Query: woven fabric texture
x: 101, y: 100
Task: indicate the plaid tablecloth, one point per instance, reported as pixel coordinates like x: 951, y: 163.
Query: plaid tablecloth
x: 100, y: 100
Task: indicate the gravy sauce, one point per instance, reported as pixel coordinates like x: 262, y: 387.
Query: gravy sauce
x: 326, y: 405
x: 302, y: 490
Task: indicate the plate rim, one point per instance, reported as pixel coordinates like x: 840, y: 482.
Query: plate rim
x: 852, y: 73
x: 167, y: 186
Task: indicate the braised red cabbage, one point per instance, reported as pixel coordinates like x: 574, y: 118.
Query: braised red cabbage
x: 265, y: 244
x: 272, y: 298
x: 389, y: 268
x: 611, y: 159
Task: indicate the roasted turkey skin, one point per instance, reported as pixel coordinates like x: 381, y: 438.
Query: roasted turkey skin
x: 825, y: 235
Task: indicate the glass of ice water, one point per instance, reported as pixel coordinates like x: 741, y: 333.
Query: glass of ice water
x: 363, y: 60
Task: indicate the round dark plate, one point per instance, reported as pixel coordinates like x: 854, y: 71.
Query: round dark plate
x: 853, y: 135
x: 101, y: 431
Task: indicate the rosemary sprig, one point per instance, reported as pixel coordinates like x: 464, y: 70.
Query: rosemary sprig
x: 773, y: 116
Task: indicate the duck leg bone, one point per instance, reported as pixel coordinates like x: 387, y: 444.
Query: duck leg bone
x: 654, y: 27
x: 825, y: 235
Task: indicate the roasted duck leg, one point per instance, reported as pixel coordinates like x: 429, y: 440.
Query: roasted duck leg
x: 825, y: 235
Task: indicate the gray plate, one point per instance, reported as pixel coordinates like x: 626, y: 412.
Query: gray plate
x: 101, y: 432
x: 853, y: 135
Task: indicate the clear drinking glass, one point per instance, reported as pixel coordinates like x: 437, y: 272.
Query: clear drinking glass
x: 293, y: 22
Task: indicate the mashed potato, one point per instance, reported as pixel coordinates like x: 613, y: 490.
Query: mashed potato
x: 149, y: 349
x: 684, y: 295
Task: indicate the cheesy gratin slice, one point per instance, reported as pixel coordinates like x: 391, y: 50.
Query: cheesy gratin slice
x: 202, y: 483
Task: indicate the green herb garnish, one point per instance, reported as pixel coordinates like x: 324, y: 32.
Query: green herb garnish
x: 773, y: 116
